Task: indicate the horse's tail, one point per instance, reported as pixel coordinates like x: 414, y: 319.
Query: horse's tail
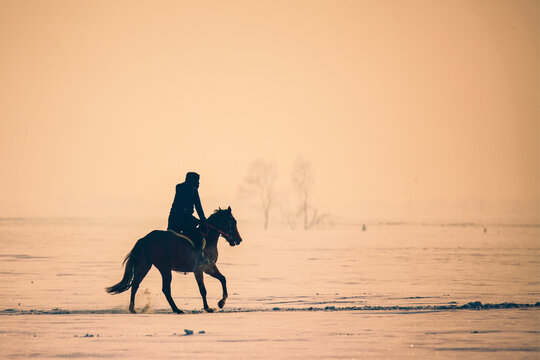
x: 131, y: 261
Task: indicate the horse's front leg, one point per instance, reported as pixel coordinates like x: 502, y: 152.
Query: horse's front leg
x: 202, y: 289
x: 214, y: 272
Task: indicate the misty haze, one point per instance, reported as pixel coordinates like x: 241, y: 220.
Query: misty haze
x: 380, y: 159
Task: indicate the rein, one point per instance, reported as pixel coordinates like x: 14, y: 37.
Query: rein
x: 219, y: 231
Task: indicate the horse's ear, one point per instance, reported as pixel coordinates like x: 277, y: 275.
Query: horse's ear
x: 229, y: 209
x: 219, y: 208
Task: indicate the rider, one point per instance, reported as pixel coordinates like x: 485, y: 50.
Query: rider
x: 181, y: 218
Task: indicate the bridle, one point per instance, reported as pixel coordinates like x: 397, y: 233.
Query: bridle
x: 227, y: 236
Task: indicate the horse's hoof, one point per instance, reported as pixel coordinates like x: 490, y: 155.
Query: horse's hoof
x: 178, y: 311
x: 221, y: 304
x: 132, y: 311
x: 210, y: 310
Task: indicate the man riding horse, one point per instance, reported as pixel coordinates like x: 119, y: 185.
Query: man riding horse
x: 181, y: 219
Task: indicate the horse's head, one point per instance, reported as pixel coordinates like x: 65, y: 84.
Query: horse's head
x: 225, y: 223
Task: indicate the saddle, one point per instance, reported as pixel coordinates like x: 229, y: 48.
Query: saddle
x: 188, y: 239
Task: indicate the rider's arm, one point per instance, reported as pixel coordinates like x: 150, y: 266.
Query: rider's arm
x: 198, y: 207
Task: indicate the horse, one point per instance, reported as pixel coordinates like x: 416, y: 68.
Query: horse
x: 168, y: 251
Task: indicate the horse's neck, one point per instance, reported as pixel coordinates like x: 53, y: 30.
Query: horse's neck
x: 212, y: 238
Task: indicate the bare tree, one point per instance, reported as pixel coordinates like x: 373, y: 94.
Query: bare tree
x: 260, y: 182
x: 288, y: 210
x: 302, y: 179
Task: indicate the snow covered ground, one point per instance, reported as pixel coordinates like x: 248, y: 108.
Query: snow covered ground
x: 392, y: 291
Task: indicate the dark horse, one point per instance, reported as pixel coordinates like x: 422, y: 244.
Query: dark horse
x: 168, y: 251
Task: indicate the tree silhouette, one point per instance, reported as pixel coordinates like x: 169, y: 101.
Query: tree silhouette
x: 260, y: 182
x: 302, y: 180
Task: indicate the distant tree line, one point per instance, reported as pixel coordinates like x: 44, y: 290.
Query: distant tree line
x: 261, y: 185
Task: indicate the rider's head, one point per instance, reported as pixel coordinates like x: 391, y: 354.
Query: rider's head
x: 192, y: 178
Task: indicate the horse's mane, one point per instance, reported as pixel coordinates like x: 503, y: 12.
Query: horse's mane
x: 216, y: 212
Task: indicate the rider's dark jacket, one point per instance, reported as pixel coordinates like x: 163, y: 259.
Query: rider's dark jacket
x: 181, y: 217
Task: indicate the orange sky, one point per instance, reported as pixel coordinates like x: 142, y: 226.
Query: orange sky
x: 404, y: 108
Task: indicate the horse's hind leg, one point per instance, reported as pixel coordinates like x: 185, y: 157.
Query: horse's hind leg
x: 214, y: 272
x: 167, y: 278
x: 202, y: 289
x: 140, y: 273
